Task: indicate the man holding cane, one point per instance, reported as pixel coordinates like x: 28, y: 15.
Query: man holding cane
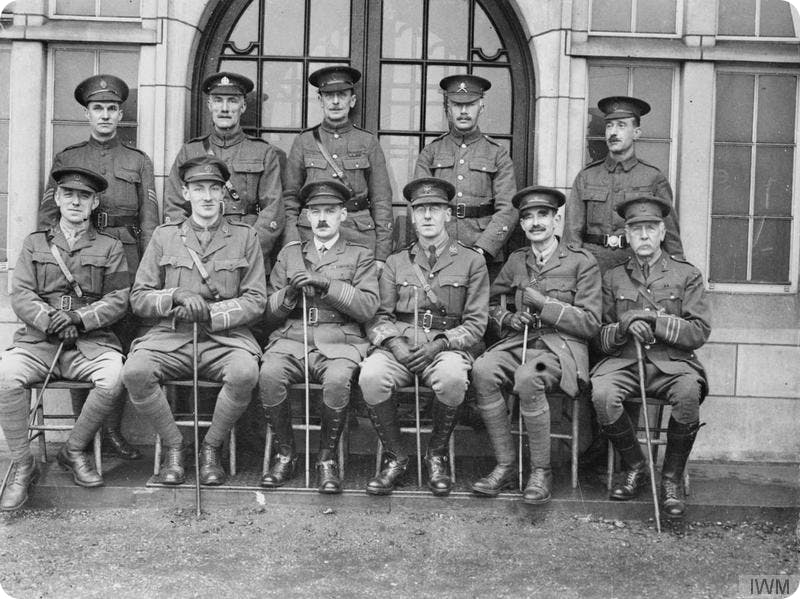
x: 659, y: 301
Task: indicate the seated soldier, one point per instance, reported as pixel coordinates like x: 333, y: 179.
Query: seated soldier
x: 660, y: 301
x: 555, y: 290
x: 208, y: 272
x: 70, y: 284
x: 341, y: 282
x: 437, y: 342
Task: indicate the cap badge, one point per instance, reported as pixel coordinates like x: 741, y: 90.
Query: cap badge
x: 76, y: 177
x: 103, y: 83
x: 462, y: 87
x: 208, y: 169
x: 427, y: 189
x: 225, y: 81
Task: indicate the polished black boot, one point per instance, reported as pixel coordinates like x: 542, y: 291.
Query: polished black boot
x: 23, y: 475
x: 81, y: 465
x: 436, y: 458
x: 172, y: 470
x: 623, y: 437
x: 279, y: 419
x: 538, y: 491
x: 115, y: 444
x: 504, y: 475
x: 211, y: 471
x: 395, y: 463
x: 333, y: 422
x: 680, y: 439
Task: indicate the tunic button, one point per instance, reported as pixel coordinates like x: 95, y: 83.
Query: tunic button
x: 463, y: 145
x: 335, y: 155
x: 461, y: 177
x: 461, y: 161
x: 459, y: 194
x: 430, y: 276
x: 336, y: 136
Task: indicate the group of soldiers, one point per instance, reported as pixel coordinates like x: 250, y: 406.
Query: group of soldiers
x: 299, y: 247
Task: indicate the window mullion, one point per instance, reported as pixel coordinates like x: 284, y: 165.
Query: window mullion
x: 753, y: 157
x: 634, y: 7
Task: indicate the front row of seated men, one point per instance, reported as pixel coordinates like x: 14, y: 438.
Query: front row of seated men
x: 426, y: 318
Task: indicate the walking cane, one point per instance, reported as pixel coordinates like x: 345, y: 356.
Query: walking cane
x: 195, y: 401
x: 416, y: 391
x: 39, y: 398
x: 519, y: 406
x: 308, y: 390
x: 640, y: 359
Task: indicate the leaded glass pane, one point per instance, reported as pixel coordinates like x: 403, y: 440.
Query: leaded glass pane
x: 330, y: 29
x: 654, y: 85
x: 447, y: 29
x: 773, y: 190
x: 283, y: 94
x: 245, y: 33
x: 776, y: 108
x: 496, y: 118
x: 400, y: 96
x: 402, y: 29
x: 70, y: 67
x: 284, y: 27
x: 728, y: 251
x: 734, y: 110
x: 485, y: 35
x: 731, y: 180
x: 770, y: 261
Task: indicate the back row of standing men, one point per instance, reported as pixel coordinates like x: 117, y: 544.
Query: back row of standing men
x: 331, y: 206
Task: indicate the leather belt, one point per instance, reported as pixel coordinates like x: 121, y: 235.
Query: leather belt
x: 103, y: 220
x: 320, y: 316
x: 249, y: 209
x: 69, y: 302
x: 357, y: 204
x: 428, y: 320
x: 615, y: 242
x: 464, y: 211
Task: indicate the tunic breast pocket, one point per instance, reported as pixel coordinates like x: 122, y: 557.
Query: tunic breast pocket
x: 245, y: 177
x: 597, y: 207
x: 47, y: 271
x: 561, y: 288
x: 443, y: 162
x: 453, y: 292
x: 124, y: 195
x: 669, y: 298
x: 90, y: 276
x: 626, y: 298
x: 228, y: 275
x: 177, y: 270
x: 356, y: 169
x: 482, y: 172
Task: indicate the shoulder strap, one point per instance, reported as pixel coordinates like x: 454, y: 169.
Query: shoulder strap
x: 426, y: 287
x: 202, y: 269
x: 329, y: 159
x: 62, y: 265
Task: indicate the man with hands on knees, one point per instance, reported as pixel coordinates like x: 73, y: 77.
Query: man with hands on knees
x: 448, y: 285
x: 206, y: 271
x: 340, y: 280
x: 658, y: 300
x: 70, y: 285
x: 554, y: 290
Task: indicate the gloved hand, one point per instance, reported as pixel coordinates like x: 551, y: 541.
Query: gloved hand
x: 533, y: 298
x: 642, y: 331
x: 62, y: 319
x: 423, y: 355
x: 310, y: 282
x: 400, y: 349
x: 69, y: 335
x: 195, y: 308
x: 517, y: 321
x: 631, y: 316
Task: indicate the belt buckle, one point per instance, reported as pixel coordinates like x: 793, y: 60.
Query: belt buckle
x: 101, y: 220
x: 613, y: 241
x: 537, y: 321
x: 313, y: 315
x: 66, y: 303
x: 427, y: 321
x: 461, y: 210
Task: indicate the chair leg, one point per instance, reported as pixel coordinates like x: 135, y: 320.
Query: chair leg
x: 451, y: 448
x: 267, y: 452
x: 232, y: 451
x: 610, y: 466
x: 378, y: 456
x: 342, y: 449
x: 520, y: 454
x: 157, y: 458
x: 574, y: 442
x: 98, y: 454
x: 39, y: 419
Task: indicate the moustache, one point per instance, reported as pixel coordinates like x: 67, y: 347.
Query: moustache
x: 322, y: 225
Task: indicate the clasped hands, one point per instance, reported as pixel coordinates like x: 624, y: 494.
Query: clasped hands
x: 416, y: 358
x: 639, y: 324
x: 308, y: 282
x: 191, y: 306
x: 64, y: 323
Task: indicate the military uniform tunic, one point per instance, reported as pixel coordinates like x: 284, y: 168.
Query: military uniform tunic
x: 128, y: 208
x: 482, y: 172
x: 255, y: 176
x: 359, y: 156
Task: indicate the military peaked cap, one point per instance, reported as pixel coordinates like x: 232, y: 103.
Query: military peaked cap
x: 227, y: 83
x: 77, y: 177
x: 429, y: 190
x: 464, y: 89
x: 101, y: 88
x: 537, y: 196
x: 334, y: 79
x: 623, y: 107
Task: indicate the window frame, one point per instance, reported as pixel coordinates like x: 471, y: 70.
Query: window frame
x: 52, y: 14
x: 794, y: 236
x: 679, y: 10
x: 759, y: 38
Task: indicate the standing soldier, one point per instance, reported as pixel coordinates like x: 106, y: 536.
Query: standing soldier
x: 479, y: 168
x: 203, y: 271
x: 253, y: 193
x: 128, y: 209
x: 448, y: 285
x: 659, y: 301
x: 70, y: 284
x: 344, y: 281
x: 338, y: 149
x: 555, y: 293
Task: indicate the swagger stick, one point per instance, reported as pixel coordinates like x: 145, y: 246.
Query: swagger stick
x: 519, y: 405
x: 195, y: 409
x: 640, y: 360
x: 416, y: 391
x: 308, y: 390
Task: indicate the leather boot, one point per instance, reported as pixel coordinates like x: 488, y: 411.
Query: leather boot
x: 680, y: 439
x: 436, y: 458
x: 172, y: 471
x: 23, y: 475
x: 623, y: 437
x: 81, y: 465
x: 539, y: 488
x: 333, y: 421
x: 504, y: 475
x: 115, y: 444
x: 211, y: 471
x: 540, y: 484
x: 279, y: 418
x: 384, y: 418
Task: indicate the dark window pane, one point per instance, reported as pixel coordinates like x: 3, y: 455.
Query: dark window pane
x: 771, y: 243
x: 126, y: 66
x: 5, y: 57
x: 78, y: 8
x: 283, y: 90
x: 245, y: 32
x: 485, y: 35
x: 330, y: 29
x: 655, y: 153
x: 447, y: 29
x: 65, y: 135
x: 728, y: 252
x: 401, y: 155
x: 736, y: 17
x: 611, y: 15
x: 655, y: 16
x: 402, y: 29
x: 606, y: 81
x: 497, y: 116
x: 776, y: 19
x: 283, y: 27
x: 596, y: 149
x: 126, y: 133
x: 773, y: 191
x: 400, y: 96
x: 70, y: 67
x: 734, y: 110
x: 731, y: 193
x: 776, y: 108
x: 654, y: 85
x: 119, y: 8
x: 435, y: 118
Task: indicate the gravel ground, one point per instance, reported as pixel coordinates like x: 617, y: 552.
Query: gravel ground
x: 304, y: 551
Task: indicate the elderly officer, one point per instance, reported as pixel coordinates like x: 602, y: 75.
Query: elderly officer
x: 209, y: 272
x: 591, y: 218
x: 448, y: 284
x: 479, y: 168
x: 128, y: 210
x: 70, y: 283
x: 660, y: 301
x: 344, y: 280
x: 253, y: 193
x: 338, y: 149
x: 555, y: 290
